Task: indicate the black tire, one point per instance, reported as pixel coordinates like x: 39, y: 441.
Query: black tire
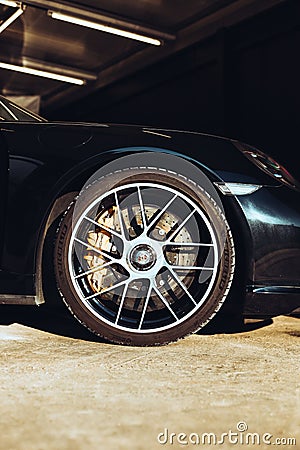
x: 160, y: 292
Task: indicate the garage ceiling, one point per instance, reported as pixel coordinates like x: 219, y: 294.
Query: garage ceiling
x: 31, y: 37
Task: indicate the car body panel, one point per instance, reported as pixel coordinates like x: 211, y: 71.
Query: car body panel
x: 3, y: 187
x: 42, y: 162
x: 39, y: 171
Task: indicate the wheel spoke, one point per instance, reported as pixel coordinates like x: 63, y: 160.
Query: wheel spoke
x: 120, y: 217
x: 95, y: 249
x: 165, y: 302
x: 94, y: 269
x: 108, y: 289
x: 181, y: 284
x: 122, y: 301
x: 110, y: 230
x: 145, y: 306
x: 181, y: 225
x: 190, y: 267
x: 114, y: 286
x: 160, y: 214
x: 186, y: 244
x: 144, y: 221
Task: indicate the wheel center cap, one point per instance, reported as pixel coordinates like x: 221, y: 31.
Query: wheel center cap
x: 142, y: 257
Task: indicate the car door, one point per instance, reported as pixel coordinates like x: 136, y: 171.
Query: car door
x: 5, y: 117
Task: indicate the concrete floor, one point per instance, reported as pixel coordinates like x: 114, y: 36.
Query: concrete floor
x: 63, y: 389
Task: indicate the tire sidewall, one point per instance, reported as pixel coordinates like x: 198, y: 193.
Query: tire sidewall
x: 217, y: 294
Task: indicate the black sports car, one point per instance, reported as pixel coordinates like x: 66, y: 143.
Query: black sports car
x: 144, y: 233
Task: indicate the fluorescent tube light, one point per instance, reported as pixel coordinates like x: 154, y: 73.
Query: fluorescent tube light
x: 10, y: 3
x: 42, y: 73
x: 105, y: 28
x: 11, y: 19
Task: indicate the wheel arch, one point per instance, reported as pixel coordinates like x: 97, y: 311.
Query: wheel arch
x: 68, y: 187
x: 244, y: 269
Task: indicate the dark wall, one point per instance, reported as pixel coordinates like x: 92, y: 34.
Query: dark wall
x: 243, y: 83
x: 263, y: 82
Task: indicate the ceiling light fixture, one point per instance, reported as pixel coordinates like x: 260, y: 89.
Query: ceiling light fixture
x: 106, y: 28
x: 42, y: 73
x: 10, y: 3
x: 11, y: 19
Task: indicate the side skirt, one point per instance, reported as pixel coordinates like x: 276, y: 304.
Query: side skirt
x: 269, y: 301
x: 11, y: 299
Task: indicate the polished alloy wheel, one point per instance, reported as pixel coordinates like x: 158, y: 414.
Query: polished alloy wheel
x: 143, y: 257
